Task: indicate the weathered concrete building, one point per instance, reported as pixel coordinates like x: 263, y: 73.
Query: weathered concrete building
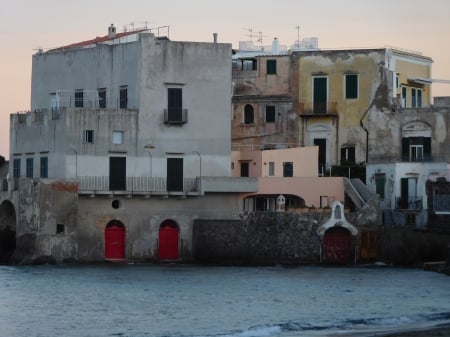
x: 127, y: 142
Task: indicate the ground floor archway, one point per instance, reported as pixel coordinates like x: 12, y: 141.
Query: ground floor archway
x: 336, y: 246
x: 7, y: 231
x: 168, y: 247
x: 115, y: 240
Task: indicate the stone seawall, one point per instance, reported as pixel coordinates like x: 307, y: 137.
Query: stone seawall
x: 260, y: 238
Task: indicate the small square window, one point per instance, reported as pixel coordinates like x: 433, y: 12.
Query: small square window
x: 60, y: 228
x: 270, y: 114
x: 88, y: 136
x: 117, y: 137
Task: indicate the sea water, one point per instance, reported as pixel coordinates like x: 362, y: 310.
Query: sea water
x: 207, y: 301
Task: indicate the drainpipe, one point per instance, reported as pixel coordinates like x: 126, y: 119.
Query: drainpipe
x: 361, y: 123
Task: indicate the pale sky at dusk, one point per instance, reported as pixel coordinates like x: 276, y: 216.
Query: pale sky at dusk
x: 25, y: 25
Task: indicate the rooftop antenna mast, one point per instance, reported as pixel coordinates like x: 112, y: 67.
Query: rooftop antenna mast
x: 298, y: 36
x: 260, y: 39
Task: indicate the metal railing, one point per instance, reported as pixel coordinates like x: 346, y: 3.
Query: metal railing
x: 135, y: 184
x: 411, y: 203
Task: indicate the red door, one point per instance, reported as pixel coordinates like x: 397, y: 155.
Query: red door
x: 336, y: 246
x: 168, y: 241
x: 115, y: 241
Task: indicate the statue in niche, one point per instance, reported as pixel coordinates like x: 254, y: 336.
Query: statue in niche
x: 337, y: 212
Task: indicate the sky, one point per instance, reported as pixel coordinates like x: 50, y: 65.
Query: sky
x: 26, y: 25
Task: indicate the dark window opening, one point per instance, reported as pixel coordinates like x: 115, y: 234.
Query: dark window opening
x: 270, y: 114
x: 248, y: 114
x: 44, y: 167
x: 60, y: 228
x: 79, y: 98
x: 175, y: 104
x: 175, y: 174
x: 288, y: 169
x: 123, y: 103
x: 322, y: 144
x: 117, y: 173
x: 271, y: 67
x: 30, y: 167
x: 416, y: 149
x: 351, y: 86
x: 320, y: 95
x: 245, y: 169
x: 102, y: 98
x: 16, y: 168
x: 88, y: 136
x: 348, y: 155
x: 380, y: 182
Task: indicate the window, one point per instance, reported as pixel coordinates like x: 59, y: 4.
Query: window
x: 248, y: 114
x: 88, y: 136
x: 244, y: 169
x: 60, y: 228
x: 174, y: 105
x: 320, y: 95
x: 271, y: 168
x: 117, y: 137
x: 347, y: 155
x: 29, y: 168
x: 416, y: 148
x: 380, y: 182
x: 44, y: 167
x: 403, y: 97
x: 79, y: 98
x: 271, y: 67
x: 288, y: 169
x: 416, y: 98
x: 270, y: 114
x: 101, y: 98
x: 123, y: 97
x: 351, y: 86
x: 16, y: 168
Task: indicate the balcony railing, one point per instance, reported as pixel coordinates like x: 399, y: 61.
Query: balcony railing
x: 175, y: 116
x: 410, y: 203
x: 441, y: 204
x: 399, y: 158
x: 135, y: 185
x: 317, y: 109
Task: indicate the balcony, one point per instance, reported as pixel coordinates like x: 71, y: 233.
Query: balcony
x: 175, y: 116
x: 409, y: 203
x: 309, y: 109
x: 136, y: 186
x: 400, y: 159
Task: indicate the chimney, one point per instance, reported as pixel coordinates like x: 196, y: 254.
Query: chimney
x: 111, y: 31
x: 215, y: 37
x: 275, y: 46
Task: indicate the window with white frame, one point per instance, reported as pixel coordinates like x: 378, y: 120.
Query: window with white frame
x: 271, y: 168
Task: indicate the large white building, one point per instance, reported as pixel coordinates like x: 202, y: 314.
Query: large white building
x: 128, y: 141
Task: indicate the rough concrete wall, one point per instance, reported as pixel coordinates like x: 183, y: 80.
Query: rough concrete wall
x: 41, y: 207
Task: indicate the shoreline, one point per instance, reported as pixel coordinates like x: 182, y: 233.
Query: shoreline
x: 442, y: 330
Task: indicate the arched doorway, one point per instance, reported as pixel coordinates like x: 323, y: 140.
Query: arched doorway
x: 115, y: 241
x: 7, y: 232
x: 168, y: 241
x: 336, y: 245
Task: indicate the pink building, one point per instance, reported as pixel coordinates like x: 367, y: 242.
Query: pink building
x: 291, y: 173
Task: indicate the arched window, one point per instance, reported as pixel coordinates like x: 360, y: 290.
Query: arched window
x: 249, y: 117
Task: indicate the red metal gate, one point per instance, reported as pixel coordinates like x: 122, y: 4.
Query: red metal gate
x: 336, y: 246
x: 168, y: 241
x: 115, y: 241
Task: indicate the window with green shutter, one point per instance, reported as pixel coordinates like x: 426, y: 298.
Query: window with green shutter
x: 351, y: 86
x: 271, y: 67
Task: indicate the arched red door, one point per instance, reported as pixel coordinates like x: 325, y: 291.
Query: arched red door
x: 115, y: 241
x: 168, y: 241
x: 336, y: 246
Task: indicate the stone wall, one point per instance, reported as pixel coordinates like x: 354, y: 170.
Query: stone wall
x: 408, y: 246
x: 260, y: 238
